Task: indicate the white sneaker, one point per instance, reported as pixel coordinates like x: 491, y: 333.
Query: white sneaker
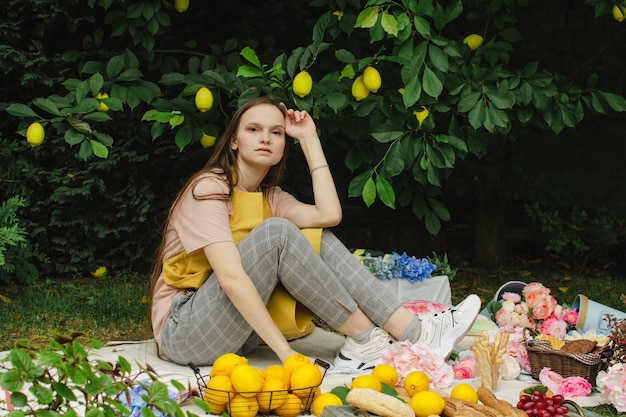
x: 444, y: 330
x: 365, y: 356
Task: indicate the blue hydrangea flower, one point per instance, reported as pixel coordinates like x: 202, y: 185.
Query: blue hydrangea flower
x: 137, y: 402
x: 394, y: 265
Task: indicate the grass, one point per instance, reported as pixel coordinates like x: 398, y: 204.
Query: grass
x: 114, y: 308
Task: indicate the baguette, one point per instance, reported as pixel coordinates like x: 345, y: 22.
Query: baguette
x: 378, y: 403
x: 507, y: 409
x: 456, y: 408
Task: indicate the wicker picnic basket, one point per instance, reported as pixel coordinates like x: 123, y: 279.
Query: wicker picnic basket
x: 542, y: 355
x: 306, y: 394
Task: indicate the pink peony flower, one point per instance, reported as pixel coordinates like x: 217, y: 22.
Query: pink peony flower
x: 575, y: 386
x: 570, y: 316
x: 503, y: 317
x: 552, y: 326
x: 407, y: 357
x: 550, y: 379
x: 612, y: 384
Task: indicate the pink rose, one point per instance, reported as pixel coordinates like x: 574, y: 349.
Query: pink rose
x: 465, y: 369
x: 551, y: 379
x: 570, y: 316
x: 512, y: 296
x: 575, y: 386
x: 503, y: 317
x: 544, y: 307
x: 534, y: 292
x: 552, y: 326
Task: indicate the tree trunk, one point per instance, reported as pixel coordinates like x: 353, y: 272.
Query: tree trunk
x: 488, y: 234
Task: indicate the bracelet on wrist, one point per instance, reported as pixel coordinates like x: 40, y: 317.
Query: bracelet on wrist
x: 318, y: 167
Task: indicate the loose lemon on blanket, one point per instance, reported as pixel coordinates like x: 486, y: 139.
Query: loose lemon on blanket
x: 427, y: 403
x: 415, y: 382
x: 240, y: 406
x: 290, y: 408
x: 218, y: 390
x: 273, y: 394
x: 385, y: 373
x: 304, y: 378
x: 464, y: 392
x: 366, y: 381
x: 246, y: 380
x: 225, y: 364
x: 323, y: 400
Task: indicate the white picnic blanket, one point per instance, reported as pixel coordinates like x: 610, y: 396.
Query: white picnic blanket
x: 319, y: 344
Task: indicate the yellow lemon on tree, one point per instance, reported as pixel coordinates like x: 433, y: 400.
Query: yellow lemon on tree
x: 181, y: 5
x: 246, y: 380
x: 225, y: 364
x: 385, y: 373
x: 273, y: 394
x: 366, y: 381
x: 359, y: 90
x: 304, y: 378
x: 204, y: 99
x: 290, y: 408
x: 99, y: 272
x: 371, y: 79
x: 464, y: 392
x: 302, y: 84
x: 102, y: 107
x: 240, y: 406
x: 322, y: 400
x: 415, y: 382
x: 474, y: 41
x: 421, y: 116
x: 427, y: 403
x: 207, y: 140
x: 618, y: 13
x: 218, y: 390
x: 35, y: 134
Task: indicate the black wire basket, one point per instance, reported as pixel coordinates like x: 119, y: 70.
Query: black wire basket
x: 238, y: 406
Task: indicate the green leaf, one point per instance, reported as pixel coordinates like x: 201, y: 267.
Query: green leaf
x: 468, y: 101
x: 476, y: 116
x: 389, y: 24
x: 47, y: 105
x: 63, y: 390
x: 11, y: 380
x: 369, y: 192
x: 422, y: 26
x: 499, y: 99
x: 412, y: 92
x: 115, y: 66
x: 367, y: 18
x: 617, y: 103
x: 385, y: 192
x: 99, y: 149
x: 176, y: 120
x: 130, y: 74
x: 183, y: 137
x: 95, y: 83
x: 384, y: 134
x: 439, y: 208
x: 432, y: 85
x: 72, y: 137
x: 159, y: 116
x: 345, y: 56
x: 394, y: 161
x: 251, y: 56
x: 357, y: 183
x: 341, y: 391
x: 432, y: 223
x: 21, y: 110
x: 438, y: 58
x: 42, y: 394
x: 247, y: 71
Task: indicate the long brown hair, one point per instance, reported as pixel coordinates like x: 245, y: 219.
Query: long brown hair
x: 223, y: 160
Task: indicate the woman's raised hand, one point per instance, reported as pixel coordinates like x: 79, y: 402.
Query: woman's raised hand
x: 299, y: 124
